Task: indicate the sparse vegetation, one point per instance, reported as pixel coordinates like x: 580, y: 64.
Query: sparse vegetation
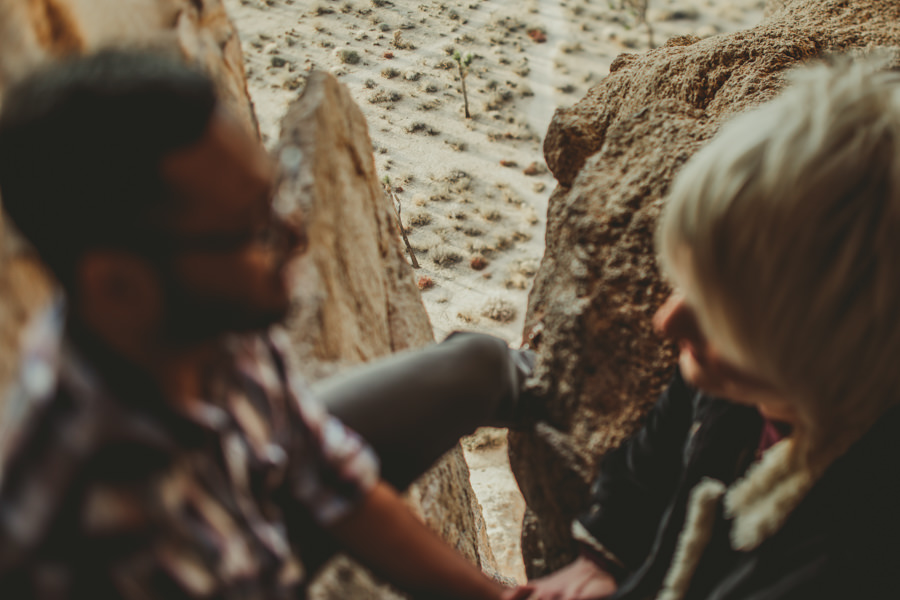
x: 419, y: 219
x: 420, y: 127
x: 402, y: 61
x: 348, y: 56
x: 386, y: 183
x: 390, y: 72
x: 383, y: 96
x: 429, y: 104
x: 445, y: 256
x: 463, y: 62
x: 400, y: 43
x: 639, y: 9
x: 457, y: 145
x: 500, y: 310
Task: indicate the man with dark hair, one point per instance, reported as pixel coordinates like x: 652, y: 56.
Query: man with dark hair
x: 176, y: 454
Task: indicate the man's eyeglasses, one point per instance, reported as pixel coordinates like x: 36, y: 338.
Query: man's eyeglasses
x: 277, y: 235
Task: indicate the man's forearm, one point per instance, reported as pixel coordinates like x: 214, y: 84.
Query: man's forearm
x: 385, y: 536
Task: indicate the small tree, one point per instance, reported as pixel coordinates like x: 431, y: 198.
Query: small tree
x: 389, y: 190
x: 463, y: 64
x: 639, y: 9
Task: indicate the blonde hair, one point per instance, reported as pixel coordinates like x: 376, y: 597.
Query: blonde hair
x: 791, y: 222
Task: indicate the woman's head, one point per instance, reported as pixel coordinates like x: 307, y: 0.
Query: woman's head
x: 784, y: 236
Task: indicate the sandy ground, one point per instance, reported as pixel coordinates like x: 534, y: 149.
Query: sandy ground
x: 473, y: 192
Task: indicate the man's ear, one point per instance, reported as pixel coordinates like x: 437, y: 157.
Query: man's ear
x: 118, y: 287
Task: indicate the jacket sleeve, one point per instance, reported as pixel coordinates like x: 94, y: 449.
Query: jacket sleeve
x: 636, y: 482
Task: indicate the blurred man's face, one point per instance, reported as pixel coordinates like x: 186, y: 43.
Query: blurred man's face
x: 229, y: 249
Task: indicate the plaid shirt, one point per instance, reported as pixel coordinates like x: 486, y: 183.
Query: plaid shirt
x: 108, y: 491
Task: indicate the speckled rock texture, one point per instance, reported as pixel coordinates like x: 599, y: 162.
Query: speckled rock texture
x: 356, y: 297
x: 614, y: 155
x: 35, y: 31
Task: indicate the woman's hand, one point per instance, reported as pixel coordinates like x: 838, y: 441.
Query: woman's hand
x: 522, y: 592
x: 581, y: 580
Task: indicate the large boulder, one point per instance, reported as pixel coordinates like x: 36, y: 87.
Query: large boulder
x: 35, y: 31
x: 614, y: 155
x: 356, y: 297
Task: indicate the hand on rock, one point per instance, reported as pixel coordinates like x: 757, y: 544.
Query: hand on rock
x: 521, y: 592
x: 581, y: 580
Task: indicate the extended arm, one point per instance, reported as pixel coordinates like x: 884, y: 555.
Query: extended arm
x: 414, y: 406
x: 385, y: 536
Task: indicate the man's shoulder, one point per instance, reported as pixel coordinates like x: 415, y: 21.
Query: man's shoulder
x: 61, y: 422
x: 44, y: 458
x: 55, y: 433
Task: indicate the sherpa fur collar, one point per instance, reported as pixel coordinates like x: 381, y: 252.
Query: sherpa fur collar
x: 759, y: 504
x: 698, y: 527
x: 763, y: 499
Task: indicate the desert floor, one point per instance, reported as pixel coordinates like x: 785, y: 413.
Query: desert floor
x: 472, y: 192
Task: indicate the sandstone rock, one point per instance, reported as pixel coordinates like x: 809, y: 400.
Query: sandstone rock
x: 35, y: 31
x: 614, y: 155
x: 357, y: 298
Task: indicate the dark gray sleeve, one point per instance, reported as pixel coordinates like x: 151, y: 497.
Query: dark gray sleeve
x: 414, y: 406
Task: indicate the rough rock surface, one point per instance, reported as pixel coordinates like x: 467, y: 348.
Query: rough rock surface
x: 35, y: 31
x: 614, y: 155
x: 357, y: 298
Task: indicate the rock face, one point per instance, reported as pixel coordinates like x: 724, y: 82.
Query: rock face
x: 614, y: 155
x: 35, y: 31
x: 357, y: 298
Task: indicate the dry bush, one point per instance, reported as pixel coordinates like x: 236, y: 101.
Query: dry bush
x: 500, y: 310
x: 383, y: 96
x: 418, y: 218
x: 445, y: 256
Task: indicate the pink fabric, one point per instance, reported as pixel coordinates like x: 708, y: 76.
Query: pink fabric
x: 772, y: 433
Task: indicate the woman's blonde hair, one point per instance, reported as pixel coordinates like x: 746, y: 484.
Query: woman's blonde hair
x: 790, y: 219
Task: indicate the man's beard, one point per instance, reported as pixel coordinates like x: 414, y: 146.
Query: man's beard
x: 191, y: 319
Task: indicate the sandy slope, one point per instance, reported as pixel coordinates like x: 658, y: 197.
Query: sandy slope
x: 472, y: 192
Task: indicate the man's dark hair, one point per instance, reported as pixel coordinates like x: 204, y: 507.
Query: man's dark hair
x: 81, y: 143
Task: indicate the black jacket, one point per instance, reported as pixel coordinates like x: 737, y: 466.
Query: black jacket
x: 841, y: 541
